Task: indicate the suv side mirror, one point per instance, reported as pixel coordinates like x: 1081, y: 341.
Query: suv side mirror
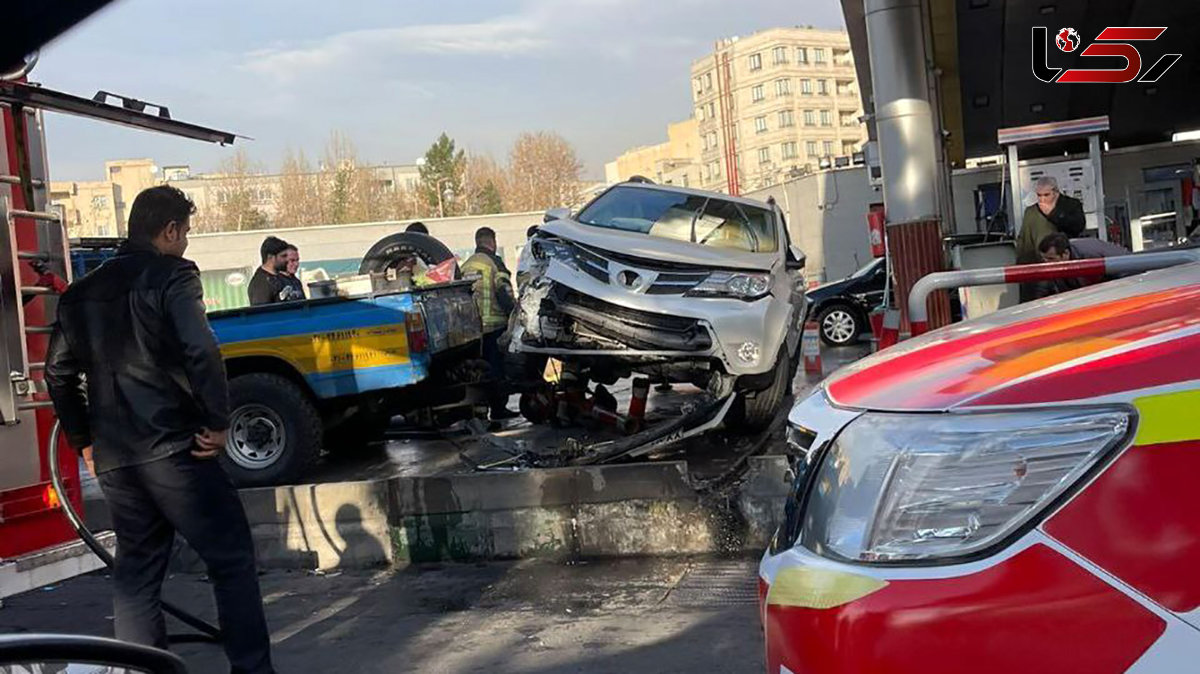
x: 795, y: 259
x: 557, y: 213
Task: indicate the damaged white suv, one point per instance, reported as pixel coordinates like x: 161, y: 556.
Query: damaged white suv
x: 676, y: 284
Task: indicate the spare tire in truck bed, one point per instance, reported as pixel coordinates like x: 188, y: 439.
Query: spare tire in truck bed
x: 388, y: 252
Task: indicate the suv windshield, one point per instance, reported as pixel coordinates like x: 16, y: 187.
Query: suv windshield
x: 709, y: 221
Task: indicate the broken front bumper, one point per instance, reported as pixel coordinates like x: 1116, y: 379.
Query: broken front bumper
x: 569, y: 312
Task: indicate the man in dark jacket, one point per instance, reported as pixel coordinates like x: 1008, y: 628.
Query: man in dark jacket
x: 138, y: 383
x: 267, y: 286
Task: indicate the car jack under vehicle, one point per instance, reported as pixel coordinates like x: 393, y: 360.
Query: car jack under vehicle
x: 570, y: 401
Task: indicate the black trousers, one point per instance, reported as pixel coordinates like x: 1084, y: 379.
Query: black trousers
x: 497, y: 391
x: 181, y: 493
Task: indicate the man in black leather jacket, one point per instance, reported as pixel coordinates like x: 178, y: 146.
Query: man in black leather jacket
x: 138, y: 383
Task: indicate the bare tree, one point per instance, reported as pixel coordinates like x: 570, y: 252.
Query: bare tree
x: 543, y: 172
x: 352, y: 191
x: 484, y: 183
x: 239, y: 194
x: 299, y: 202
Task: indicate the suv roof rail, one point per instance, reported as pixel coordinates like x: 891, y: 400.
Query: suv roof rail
x: 640, y: 179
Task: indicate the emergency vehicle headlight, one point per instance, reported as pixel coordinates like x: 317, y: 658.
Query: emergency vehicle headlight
x: 917, y: 487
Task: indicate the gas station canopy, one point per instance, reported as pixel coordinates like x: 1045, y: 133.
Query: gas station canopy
x: 983, y: 52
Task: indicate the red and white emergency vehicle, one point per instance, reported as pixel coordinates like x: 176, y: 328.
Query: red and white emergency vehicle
x: 1008, y: 494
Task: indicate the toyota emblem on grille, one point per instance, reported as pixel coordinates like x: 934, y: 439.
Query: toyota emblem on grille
x: 630, y: 279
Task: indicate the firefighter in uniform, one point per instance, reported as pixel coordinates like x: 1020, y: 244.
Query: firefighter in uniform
x: 494, y: 297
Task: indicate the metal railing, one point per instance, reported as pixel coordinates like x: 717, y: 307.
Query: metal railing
x: 1090, y: 269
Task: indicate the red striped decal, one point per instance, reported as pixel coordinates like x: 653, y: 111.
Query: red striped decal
x: 944, y: 374
x: 1139, y: 522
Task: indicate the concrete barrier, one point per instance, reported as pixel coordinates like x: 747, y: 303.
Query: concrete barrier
x: 594, y: 511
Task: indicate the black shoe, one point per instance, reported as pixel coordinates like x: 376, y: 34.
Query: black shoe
x: 503, y: 414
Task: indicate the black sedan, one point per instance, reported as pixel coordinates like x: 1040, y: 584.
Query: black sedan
x: 842, y: 307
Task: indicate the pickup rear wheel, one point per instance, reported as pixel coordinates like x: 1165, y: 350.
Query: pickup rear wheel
x: 274, y: 431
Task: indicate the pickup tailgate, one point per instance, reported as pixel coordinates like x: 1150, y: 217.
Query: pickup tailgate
x: 451, y: 315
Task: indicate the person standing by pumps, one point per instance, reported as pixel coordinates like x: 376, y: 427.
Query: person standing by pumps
x: 1053, y: 212
x: 494, y: 297
x: 138, y: 383
x: 267, y: 286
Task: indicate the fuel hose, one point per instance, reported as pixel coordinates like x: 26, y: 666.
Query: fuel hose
x: 208, y: 633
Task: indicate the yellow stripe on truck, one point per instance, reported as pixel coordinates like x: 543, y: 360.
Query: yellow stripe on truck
x: 807, y: 587
x: 1168, y: 417
x: 325, y: 352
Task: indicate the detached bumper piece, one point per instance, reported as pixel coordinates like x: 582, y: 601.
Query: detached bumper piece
x: 583, y: 316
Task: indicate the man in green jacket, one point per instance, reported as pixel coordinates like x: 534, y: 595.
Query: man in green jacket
x: 1054, y: 212
x: 494, y: 296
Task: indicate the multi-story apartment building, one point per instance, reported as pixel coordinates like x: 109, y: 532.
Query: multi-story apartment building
x: 675, y: 162
x: 775, y: 103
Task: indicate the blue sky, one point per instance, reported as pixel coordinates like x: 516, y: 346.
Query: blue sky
x: 606, y: 74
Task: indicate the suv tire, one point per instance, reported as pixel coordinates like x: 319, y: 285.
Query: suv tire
x: 754, y: 411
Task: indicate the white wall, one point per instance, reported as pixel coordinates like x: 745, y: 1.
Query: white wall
x: 230, y: 250
x: 827, y: 219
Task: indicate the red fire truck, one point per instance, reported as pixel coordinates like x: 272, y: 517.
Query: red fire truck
x: 34, y: 264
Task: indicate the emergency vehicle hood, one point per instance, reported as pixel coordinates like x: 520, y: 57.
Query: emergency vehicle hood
x: 1098, y: 342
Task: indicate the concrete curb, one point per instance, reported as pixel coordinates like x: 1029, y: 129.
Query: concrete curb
x: 595, y: 511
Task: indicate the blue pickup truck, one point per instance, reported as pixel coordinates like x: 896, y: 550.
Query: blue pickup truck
x: 330, y: 373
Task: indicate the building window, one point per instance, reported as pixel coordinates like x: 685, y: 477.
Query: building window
x: 826, y: 118
x: 756, y: 61
x: 822, y: 87
x: 708, y: 81
x: 712, y: 110
x: 757, y: 93
x: 760, y: 124
x: 810, y: 118
x: 700, y: 113
x: 819, y: 55
x: 788, y: 149
x: 847, y: 147
x: 714, y: 170
x: 114, y: 170
x: 828, y: 147
x: 783, y: 87
x: 780, y: 54
x: 802, y: 55
x: 786, y: 118
x: 810, y: 148
x: 806, y: 87
x: 685, y: 180
x: 711, y: 140
x: 699, y: 89
x: 764, y: 155
x: 848, y: 118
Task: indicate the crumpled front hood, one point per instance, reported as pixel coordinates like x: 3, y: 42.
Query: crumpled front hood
x: 1108, y: 339
x: 655, y: 248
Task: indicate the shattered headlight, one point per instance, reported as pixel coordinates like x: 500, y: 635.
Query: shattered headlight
x: 732, y: 284
x: 899, y: 487
x: 545, y: 250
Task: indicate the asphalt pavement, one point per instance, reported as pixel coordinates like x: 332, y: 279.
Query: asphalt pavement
x: 530, y: 616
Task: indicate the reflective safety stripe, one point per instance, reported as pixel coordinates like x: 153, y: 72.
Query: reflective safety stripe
x: 1169, y: 417
x: 808, y: 587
